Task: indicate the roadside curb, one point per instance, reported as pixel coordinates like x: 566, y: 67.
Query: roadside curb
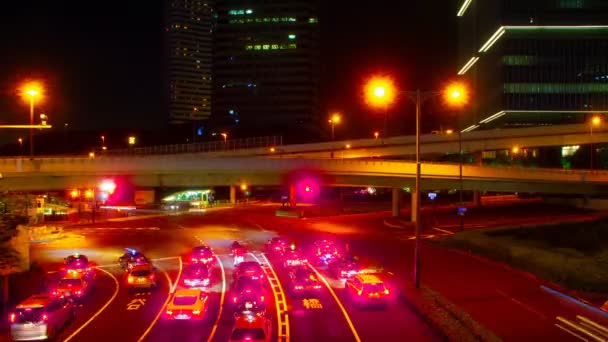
x: 451, y: 321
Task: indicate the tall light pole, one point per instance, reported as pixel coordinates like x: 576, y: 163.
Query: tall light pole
x: 454, y: 95
x: 595, y: 121
x: 334, y: 120
x: 225, y: 135
x: 31, y: 91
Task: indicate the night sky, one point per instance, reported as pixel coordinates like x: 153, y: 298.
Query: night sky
x: 101, y: 61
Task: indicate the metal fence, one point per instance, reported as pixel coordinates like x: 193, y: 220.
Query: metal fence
x: 210, y: 146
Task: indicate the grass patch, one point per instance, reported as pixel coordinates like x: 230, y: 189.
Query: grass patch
x: 572, y: 254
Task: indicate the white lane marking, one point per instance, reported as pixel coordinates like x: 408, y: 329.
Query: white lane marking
x: 571, y: 332
x: 523, y: 305
x: 280, y: 300
x: 599, y: 327
x: 179, y: 274
x: 222, y: 298
x: 575, y: 326
x: 444, y: 231
x: 333, y: 294
x: 162, y: 308
x: 100, y: 310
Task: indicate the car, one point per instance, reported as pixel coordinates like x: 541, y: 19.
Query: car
x: 247, y: 289
x: 249, y: 269
x: 345, y: 267
x: 277, y: 246
x: 196, y: 275
x: 367, y: 289
x: 72, y: 285
x: 142, y: 276
x: 202, y: 254
x: 40, y: 317
x: 304, y: 280
x: 294, y: 258
x: 132, y: 257
x: 250, y: 306
x: 187, y: 304
x: 251, y: 328
x: 324, y: 252
x: 77, y: 263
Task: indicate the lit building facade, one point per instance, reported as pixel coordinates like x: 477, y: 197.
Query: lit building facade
x: 266, y: 61
x: 533, y: 62
x: 188, y: 56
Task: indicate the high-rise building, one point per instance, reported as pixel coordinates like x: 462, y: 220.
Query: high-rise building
x: 188, y: 58
x: 533, y: 62
x: 266, y: 63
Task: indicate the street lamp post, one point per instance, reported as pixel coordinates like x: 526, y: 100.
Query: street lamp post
x: 595, y: 121
x: 31, y: 91
x: 454, y: 95
x: 335, y: 119
x: 225, y: 135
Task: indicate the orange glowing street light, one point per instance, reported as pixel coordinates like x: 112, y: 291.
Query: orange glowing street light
x: 243, y: 187
x: 376, y: 135
x: 30, y: 91
x: 596, y: 121
x: 380, y: 92
x: 335, y: 119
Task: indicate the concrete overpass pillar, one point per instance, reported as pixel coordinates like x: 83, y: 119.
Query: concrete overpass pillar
x: 395, y: 201
x: 292, y: 195
x: 232, y: 194
x: 413, y: 216
x: 476, y: 198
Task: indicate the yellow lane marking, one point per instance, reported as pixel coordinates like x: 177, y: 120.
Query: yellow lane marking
x: 222, y: 297
x: 100, y: 310
x: 162, y: 308
x: 333, y: 294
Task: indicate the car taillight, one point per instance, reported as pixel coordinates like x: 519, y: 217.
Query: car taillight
x: 234, y: 299
x: 206, y: 281
x: 386, y: 291
x: 196, y: 312
x: 360, y: 292
x: 194, y: 260
x: 54, y: 292
x: 298, y: 287
x: 45, y: 318
x: 130, y: 279
x: 187, y: 281
x: 248, y: 291
x: 12, y: 317
x: 169, y: 312
x: 78, y: 292
x: 317, y: 286
x: 262, y: 298
x: 151, y: 277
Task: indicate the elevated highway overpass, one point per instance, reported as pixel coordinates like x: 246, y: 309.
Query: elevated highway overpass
x: 404, y: 146
x: 183, y: 170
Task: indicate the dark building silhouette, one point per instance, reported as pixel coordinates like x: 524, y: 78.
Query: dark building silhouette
x: 266, y: 62
x: 533, y: 62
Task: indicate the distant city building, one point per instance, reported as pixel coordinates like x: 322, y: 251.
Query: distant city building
x: 188, y: 53
x: 533, y: 62
x: 266, y: 64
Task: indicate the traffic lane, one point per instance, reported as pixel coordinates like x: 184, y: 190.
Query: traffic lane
x: 192, y: 330
x: 225, y: 324
x: 313, y: 316
x: 131, y: 313
x: 506, y: 302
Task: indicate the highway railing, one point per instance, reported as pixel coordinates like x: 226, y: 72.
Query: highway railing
x: 210, y: 146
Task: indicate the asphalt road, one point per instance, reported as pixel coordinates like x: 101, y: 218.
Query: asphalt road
x: 112, y: 313
x: 508, y: 302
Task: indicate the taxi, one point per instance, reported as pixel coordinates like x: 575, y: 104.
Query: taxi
x: 40, y: 317
x: 367, y: 289
x: 131, y: 258
x: 253, y: 328
x: 72, y: 285
x: 141, y: 276
x: 187, y: 304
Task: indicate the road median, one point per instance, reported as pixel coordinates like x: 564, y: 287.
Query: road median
x: 451, y: 321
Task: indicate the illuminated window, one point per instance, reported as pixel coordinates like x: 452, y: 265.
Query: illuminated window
x: 291, y: 36
x: 265, y: 47
x: 519, y: 60
x: 571, y: 4
x: 568, y: 151
x: 555, y: 88
x: 274, y: 46
x: 248, y: 11
x: 313, y: 20
x: 248, y: 47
